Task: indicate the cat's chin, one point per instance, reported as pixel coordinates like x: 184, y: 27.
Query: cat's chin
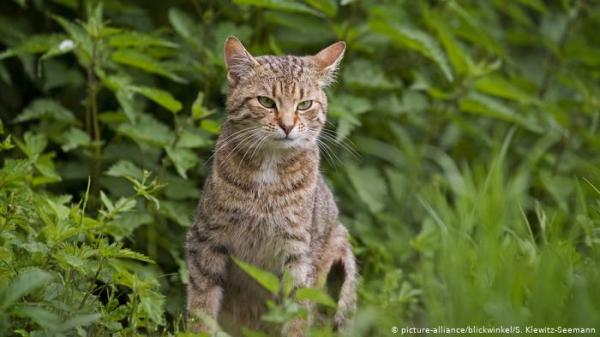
x: 287, y: 144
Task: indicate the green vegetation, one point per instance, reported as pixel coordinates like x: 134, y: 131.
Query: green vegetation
x: 464, y: 151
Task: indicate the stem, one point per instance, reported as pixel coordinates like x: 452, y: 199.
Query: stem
x: 552, y: 60
x: 93, y: 285
x: 92, y: 122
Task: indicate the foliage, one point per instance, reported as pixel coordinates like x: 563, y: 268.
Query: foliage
x: 463, y: 150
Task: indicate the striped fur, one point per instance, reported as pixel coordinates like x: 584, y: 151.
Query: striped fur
x: 265, y: 201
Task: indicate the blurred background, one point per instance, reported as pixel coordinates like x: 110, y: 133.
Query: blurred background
x: 463, y: 148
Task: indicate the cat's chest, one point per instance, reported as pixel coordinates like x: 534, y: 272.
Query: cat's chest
x: 267, y: 174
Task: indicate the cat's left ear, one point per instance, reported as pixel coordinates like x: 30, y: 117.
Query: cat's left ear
x: 328, y: 60
x: 238, y: 60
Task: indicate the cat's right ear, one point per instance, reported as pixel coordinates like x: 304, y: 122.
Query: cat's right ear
x: 238, y: 60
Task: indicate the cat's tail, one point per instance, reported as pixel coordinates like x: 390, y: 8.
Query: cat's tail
x: 346, y: 304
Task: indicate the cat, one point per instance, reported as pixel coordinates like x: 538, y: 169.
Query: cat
x: 265, y: 201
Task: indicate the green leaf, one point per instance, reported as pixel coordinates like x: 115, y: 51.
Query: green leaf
x: 33, y: 144
x: 148, y: 131
x: 267, y: 279
x: 75, y: 138
x: 184, y: 25
x: 416, y: 40
x: 281, y: 5
x: 198, y: 109
x: 458, y: 57
x: 44, y: 108
x: 34, y: 44
x: 126, y: 101
x: 125, y: 168
x: 184, y: 159
x: 211, y: 126
x: 487, y: 106
x: 136, y: 59
x: 315, y: 295
x: 26, y: 282
x: 369, y: 185
x: 40, y: 316
x: 126, y: 253
x: 63, y: 47
x: 328, y: 7
x: 139, y: 40
x: 193, y: 138
x: 152, y: 303
x: 77, y: 321
x: 499, y: 86
x: 348, y: 108
x: 76, y: 32
x: 159, y: 96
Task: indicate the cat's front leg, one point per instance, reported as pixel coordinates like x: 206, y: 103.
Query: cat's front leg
x: 207, y: 263
x: 299, y: 264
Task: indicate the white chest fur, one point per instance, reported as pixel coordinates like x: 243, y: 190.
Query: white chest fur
x: 268, y: 170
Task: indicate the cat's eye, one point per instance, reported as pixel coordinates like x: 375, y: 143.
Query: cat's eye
x: 266, y: 102
x: 304, y: 105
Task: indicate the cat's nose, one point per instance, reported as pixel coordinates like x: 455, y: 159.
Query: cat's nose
x: 287, y: 128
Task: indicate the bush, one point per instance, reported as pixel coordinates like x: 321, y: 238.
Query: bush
x: 463, y: 152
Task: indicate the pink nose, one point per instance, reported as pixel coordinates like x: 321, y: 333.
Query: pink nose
x: 286, y: 128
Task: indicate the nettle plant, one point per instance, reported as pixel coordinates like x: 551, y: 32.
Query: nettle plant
x: 64, y: 268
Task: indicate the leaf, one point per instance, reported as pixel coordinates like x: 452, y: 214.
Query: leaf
x: 315, y: 295
x: 136, y: 59
x: 77, y: 321
x: 152, y: 303
x: 106, y: 202
x: 45, y: 108
x: 126, y: 101
x: 266, y: 279
x: 75, y: 138
x: 26, y: 282
x: 184, y: 159
x: 282, y: 5
x: 458, y: 57
x: 329, y: 7
x: 198, y: 109
x: 33, y: 144
x: 148, y: 131
x: 348, y: 108
x: 34, y: 44
x: 416, y: 40
x: 126, y: 253
x: 159, y: 96
x: 63, y: 47
x: 366, y: 74
x: 499, y: 86
x: 125, y: 168
x: 76, y: 32
x: 40, y: 316
x: 139, y: 40
x: 184, y: 25
x: 487, y: 106
x: 369, y: 186
x: 211, y: 126
x: 193, y: 138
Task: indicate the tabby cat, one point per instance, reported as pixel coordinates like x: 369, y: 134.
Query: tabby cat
x: 265, y: 201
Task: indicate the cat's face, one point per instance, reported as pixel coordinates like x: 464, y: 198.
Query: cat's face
x: 278, y: 101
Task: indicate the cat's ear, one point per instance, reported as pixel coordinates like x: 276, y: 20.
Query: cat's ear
x: 238, y: 60
x: 328, y: 60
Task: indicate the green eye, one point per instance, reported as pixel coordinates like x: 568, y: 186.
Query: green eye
x: 304, y: 105
x: 266, y: 102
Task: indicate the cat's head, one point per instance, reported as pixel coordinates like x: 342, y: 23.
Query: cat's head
x: 279, y: 98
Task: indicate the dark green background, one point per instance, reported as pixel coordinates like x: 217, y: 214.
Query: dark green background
x: 463, y: 150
